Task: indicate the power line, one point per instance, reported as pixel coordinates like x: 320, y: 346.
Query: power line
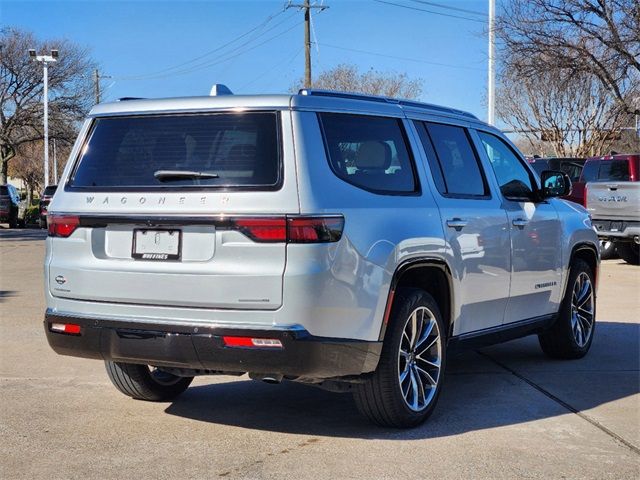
x: 429, y: 11
x: 272, y: 68
x: 464, y: 67
x: 206, y: 54
x: 448, y: 7
x: 219, y: 61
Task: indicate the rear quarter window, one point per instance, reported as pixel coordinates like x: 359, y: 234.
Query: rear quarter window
x: 369, y: 152
x: 232, y: 150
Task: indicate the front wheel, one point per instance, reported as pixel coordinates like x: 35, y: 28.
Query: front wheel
x: 404, y: 389
x: 146, y: 383
x: 571, y: 335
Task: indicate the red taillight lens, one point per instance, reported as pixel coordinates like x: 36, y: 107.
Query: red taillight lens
x: 248, y: 342
x: 315, y: 229
x: 292, y: 229
x: 263, y: 229
x: 62, y: 225
x: 68, y: 328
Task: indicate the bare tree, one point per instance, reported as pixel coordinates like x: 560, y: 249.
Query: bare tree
x: 21, y: 90
x: 572, y: 112
x: 596, y: 37
x: 347, y: 78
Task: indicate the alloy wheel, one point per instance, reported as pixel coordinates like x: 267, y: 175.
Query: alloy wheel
x: 582, y: 309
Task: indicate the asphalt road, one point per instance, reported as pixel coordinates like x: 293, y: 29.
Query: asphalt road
x: 505, y: 411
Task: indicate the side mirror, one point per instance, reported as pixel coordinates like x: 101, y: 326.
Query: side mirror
x: 554, y: 184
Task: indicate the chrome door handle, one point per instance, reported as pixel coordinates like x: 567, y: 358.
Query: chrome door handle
x: 457, y: 223
x: 520, y: 223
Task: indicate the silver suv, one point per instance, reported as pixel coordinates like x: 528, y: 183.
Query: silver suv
x: 345, y: 241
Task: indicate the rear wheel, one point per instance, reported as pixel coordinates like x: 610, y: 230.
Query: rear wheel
x: 571, y: 335
x: 607, y: 249
x: 629, y: 252
x: 143, y: 382
x: 404, y: 389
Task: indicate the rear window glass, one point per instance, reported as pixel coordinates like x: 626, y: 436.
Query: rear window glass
x: 50, y: 190
x: 208, y: 150
x: 4, y: 191
x: 614, y: 170
x: 369, y: 152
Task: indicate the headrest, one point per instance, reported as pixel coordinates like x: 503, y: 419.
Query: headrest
x: 373, y: 155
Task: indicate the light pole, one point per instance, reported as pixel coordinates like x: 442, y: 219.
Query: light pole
x: 45, y: 59
x: 492, y: 74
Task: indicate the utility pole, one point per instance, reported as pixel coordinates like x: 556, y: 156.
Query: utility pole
x: 45, y: 59
x: 55, y: 163
x: 492, y: 74
x: 307, y: 36
x: 96, y: 83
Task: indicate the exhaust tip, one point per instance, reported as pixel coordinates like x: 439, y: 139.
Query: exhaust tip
x: 271, y: 378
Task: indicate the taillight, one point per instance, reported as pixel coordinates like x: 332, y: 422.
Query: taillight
x: 314, y: 229
x: 319, y: 229
x: 584, y: 195
x: 62, y: 225
x: 263, y: 229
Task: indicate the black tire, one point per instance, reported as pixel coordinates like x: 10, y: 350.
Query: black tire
x: 380, y: 398
x: 629, y: 252
x: 568, y: 338
x: 13, y: 222
x: 142, y: 383
x: 607, y: 249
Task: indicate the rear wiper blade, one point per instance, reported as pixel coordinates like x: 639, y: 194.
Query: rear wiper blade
x: 164, y: 175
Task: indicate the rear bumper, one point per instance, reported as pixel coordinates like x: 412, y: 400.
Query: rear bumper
x: 202, y: 348
x: 617, y: 229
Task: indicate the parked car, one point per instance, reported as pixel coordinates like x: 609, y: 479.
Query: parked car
x: 10, y: 206
x: 570, y: 166
x: 43, y: 205
x: 618, y: 167
x: 340, y: 240
x: 613, y: 200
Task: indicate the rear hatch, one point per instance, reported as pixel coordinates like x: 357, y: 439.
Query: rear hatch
x: 183, y: 210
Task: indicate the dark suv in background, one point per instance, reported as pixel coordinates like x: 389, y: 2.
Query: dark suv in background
x: 9, y: 205
x: 45, y: 199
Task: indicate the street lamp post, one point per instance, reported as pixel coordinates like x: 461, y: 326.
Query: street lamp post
x: 45, y: 59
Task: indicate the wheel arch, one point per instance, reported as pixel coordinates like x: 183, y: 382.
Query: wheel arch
x: 428, y: 274
x: 590, y: 254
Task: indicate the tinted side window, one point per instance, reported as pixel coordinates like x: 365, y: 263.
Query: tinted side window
x: 614, y: 170
x: 513, y: 177
x: 457, y: 161
x: 369, y: 152
x: 590, y: 171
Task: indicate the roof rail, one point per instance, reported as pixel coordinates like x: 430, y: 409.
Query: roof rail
x: 126, y: 99
x: 376, y: 98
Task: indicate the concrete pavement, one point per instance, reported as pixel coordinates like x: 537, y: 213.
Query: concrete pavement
x: 505, y: 412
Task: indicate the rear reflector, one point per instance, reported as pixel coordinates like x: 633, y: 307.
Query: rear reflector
x: 248, y: 342
x: 61, y: 225
x: 69, y: 328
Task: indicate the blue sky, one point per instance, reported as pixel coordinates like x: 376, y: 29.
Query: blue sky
x: 149, y: 47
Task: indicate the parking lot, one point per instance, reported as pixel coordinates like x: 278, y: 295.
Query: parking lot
x: 505, y: 411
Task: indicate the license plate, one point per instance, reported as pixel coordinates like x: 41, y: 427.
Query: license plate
x: 156, y: 244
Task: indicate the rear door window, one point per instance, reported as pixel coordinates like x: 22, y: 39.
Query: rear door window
x: 452, y: 160
x: 369, y: 152
x: 227, y: 150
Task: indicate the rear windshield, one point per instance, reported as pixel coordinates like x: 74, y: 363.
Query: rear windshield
x: 4, y: 191
x: 50, y: 190
x: 208, y: 150
x: 605, y: 170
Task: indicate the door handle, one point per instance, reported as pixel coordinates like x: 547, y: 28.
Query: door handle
x: 520, y: 223
x: 457, y: 223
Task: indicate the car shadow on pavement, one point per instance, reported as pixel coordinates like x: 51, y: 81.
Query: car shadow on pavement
x: 22, y: 235
x: 478, y: 393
